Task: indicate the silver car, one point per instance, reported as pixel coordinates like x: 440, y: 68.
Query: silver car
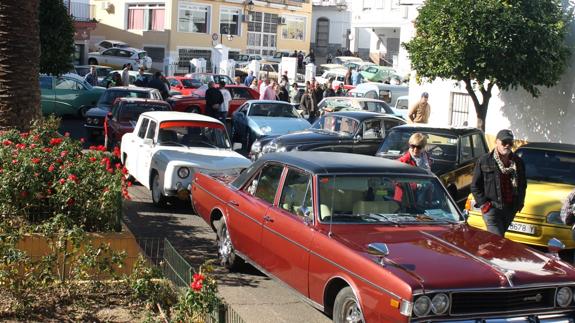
x: 118, y: 57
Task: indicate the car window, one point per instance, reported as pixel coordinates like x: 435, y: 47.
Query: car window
x: 151, y: 130
x: 240, y: 93
x: 243, y: 108
x: 371, y: 95
x: 105, y: 44
x: 266, y: 183
x: 110, y: 52
x: 103, y: 71
x: 67, y: 84
x: 371, y: 70
x: 296, y: 196
x: 388, y: 124
x: 372, y: 129
x: 46, y: 82
x: 141, y: 55
x: 385, y: 95
x: 478, y: 145
x: 553, y: 166
x: 465, y: 152
x: 124, y: 53
x: 279, y: 110
x: 143, y: 128
x: 156, y: 95
x: 174, y: 82
x: 132, y: 111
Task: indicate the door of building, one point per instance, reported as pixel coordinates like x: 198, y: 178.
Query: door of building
x: 322, y: 36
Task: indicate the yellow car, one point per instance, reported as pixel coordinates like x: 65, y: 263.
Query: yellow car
x: 550, y: 171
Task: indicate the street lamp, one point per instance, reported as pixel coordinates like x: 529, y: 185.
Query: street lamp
x: 250, y: 5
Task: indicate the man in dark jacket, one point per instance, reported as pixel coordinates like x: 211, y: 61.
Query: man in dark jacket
x: 306, y: 104
x: 328, y: 90
x: 499, y: 184
x: 214, y: 99
x: 157, y: 83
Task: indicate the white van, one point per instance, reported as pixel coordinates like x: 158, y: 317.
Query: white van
x: 381, y: 91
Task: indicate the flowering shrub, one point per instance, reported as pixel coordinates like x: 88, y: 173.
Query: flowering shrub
x: 200, y: 299
x: 44, y: 174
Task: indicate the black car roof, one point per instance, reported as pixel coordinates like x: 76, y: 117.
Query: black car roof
x: 460, y: 131
x: 363, y: 115
x: 130, y: 89
x: 549, y: 146
x: 331, y: 163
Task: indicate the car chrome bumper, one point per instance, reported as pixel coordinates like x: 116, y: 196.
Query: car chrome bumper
x: 548, y: 318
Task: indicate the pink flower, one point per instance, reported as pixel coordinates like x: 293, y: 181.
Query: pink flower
x: 73, y: 178
x: 36, y: 160
x: 66, y: 134
x: 6, y: 142
x: 33, y: 146
x: 82, y: 140
x: 51, y: 168
x: 63, y: 153
x: 62, y: 181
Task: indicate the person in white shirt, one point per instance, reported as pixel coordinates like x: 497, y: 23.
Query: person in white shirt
x: 263, y: 88
x: 126, y: 74
x: 225, y: 106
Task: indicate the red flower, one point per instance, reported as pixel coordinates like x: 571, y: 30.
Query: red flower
x: 14, y: 161
x: 36, y: 137
x: 106, y: 189
x: 70, y: 202
x: 73, y: 178
x: 196, y: 285
x: 49, y: 192
x: 59, y: 160
x: 63, y: 153
x: 124, y: 171
x: 62, y: 181
x: 55, y: 141
x: 116, y: 152
x: 66, y: 134
x: 198, y: 277
x: 92, y: 159
x: 6, y: 142
x: 33, y: 146
x: 51, y: 168
x: 129, y: 184
x: 82, y: 140
x: 23, y: 194
x: 47, y: 150
x: 118, y: 165
x: 24, y: 135
x: 20, y: 146
x: 36, y: 160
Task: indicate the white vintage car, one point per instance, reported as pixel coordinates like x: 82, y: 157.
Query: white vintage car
x: 166, y: 148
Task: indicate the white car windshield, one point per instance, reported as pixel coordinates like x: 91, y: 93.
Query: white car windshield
x: 385, y: 199
x: 193, y: 134
x: 339, y: 125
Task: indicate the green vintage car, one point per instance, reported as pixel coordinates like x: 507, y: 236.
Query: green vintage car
x: 379, y: 74
x: 68, y: 94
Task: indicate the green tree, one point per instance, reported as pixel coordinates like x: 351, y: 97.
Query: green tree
x: 19, y: 56
x: 508, y: 43
x: 56, y: 37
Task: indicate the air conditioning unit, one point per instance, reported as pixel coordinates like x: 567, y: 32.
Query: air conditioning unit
x: 282, y: 21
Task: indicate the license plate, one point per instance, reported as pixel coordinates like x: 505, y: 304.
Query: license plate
x: 522, y: 227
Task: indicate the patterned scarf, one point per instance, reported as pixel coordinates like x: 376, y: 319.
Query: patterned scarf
x: 511, y: 170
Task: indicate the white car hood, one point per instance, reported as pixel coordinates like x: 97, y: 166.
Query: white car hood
x: 206, y: 158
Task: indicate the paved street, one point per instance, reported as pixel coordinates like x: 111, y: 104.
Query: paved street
x: 254, y: 296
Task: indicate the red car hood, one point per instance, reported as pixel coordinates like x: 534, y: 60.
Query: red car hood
x: 440, y: 257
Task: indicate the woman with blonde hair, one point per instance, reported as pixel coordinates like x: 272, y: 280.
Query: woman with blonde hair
x: 416, y: 154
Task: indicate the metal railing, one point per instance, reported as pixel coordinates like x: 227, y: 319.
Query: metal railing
x: 79, y: 10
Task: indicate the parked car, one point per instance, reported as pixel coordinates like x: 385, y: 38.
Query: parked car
x: 344, y: 59
x: 243, y: 60
x: 370, y: 240
x: 358, y: 132
x: 124, y: 115
x: 386, y: 92
x: 278, y: 56
x: 205, y: 78
x: 166, y: 149
x: 68, y: 94
x: 94, y: 124
x: 133, y: 75
x: 358, y: 66
x: 269, y: 70
x: 380, y: 74
x: 453, y: 151
x: 550, y: 172
x: 256, y: 119
x: 338, y: 76
x: 196, y: 102
x: 106, y: 44
x: 347, y: 103
x: 101, y: 71
x: 322, y: 68
x: 402, y: 106
x: 185, y: 85
x: 118, y: 57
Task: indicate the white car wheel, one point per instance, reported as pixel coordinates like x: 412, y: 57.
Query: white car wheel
x: 158, y: 197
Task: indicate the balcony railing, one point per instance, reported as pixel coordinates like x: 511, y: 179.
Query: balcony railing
x: 79, y: 10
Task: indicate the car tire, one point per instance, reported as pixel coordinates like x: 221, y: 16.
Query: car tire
x: 128, y: 177
x: 82, y: 111
x: 193, y: 110
x: 346, y: 307
x: 158, y: 198
x: 226, y: 254
x: 92, y: 61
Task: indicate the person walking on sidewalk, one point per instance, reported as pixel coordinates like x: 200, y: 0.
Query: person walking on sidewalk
x: 214, y: 100
x: 419, y: 112
x: 499, y: 184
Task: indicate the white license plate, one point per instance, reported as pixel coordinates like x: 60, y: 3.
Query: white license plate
x: 522, y: 227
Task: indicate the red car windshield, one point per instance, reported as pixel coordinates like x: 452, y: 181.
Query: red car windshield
x: 376, y: 199
x: 193, y: 134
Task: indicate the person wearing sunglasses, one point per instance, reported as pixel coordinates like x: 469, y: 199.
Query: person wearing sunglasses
x: 499, y: 184
x: 416, y: 155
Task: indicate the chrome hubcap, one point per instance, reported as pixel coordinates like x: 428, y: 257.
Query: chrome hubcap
x: 225, y: 246
x: 352, y: 312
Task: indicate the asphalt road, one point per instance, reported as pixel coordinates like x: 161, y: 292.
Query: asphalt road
x: 252, y: 295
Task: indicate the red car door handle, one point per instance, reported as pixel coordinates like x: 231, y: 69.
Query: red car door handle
x: 234, y: 203
x: 268, y: 219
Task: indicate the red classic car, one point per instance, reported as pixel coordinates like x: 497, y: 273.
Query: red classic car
x: 196, y: 102
x: 184, y: 85
x: 124, y: 116
x: 372, y: 240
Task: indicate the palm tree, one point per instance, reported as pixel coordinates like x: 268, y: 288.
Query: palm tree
x: 19, y: 63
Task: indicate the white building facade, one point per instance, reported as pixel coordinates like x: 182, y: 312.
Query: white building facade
x: 330, y: 27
